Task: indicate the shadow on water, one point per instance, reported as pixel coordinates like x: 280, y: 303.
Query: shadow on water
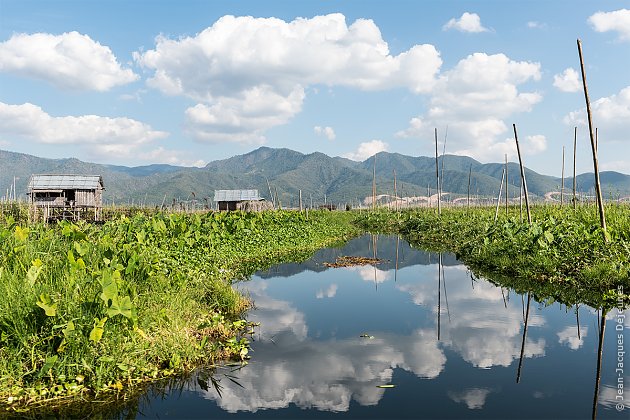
x: 330, y: 338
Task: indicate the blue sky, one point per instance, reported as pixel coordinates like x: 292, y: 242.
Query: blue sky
x: 188, y: 82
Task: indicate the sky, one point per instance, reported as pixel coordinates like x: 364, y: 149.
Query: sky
x: 188, y: 82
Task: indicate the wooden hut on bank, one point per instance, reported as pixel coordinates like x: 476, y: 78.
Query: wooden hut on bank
x: 248, y: 200
x: 72, y: 197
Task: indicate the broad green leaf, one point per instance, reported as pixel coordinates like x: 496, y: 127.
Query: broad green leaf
x: 21, y: 233
x: 109, y: 286
x: 46, y: 304
x: 549, y: 236
x: 48, y: 364
x: 120, y: 306
x: 81, y: 247
x: 99, y: 327
x: 33, y: 271
x: 69, y: 330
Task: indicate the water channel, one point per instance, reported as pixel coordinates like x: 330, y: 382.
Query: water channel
x: 452, y: 346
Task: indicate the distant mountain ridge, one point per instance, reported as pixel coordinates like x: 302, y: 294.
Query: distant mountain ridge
x: 285, y: 172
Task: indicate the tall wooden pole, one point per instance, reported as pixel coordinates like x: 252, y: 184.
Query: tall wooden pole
x: 574, y: 176
x: 374, y: 182
x: 506, y: 185
x: 523, y: 181
x: 562, y: 181
x: 469, y: 175
x: 437, y: 173
x: 496, y: 213
x: 395, y: 192
x: 300, y: 200
x: 598, y: 187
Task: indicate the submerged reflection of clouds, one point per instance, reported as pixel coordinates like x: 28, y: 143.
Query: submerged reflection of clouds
x: 481, y: 329
x: 474, y: 398
x: 569, y: 336
x: 288, y: 368
x: 371, y: 273
x: 330, y: 292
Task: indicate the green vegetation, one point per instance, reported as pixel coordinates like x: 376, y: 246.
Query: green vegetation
x: 98, y: 309
x: 560, y: 256
x: 90, y: 309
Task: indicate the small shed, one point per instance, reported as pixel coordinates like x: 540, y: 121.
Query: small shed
x: 236, y: 199
x: 66, y: 196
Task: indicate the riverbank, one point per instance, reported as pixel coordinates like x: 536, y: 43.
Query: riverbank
x: 95, y: 310
x: 562, y: 255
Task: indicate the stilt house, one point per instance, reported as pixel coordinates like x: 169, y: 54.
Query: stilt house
x: 236, y: 199
x: 66, y: 196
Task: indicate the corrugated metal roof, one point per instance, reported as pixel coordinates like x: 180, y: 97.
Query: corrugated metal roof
x: 65, y: 182
x: 236, y: 195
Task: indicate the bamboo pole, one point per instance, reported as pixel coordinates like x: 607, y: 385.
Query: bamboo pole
x: 442, y: 164
x: 300, y: 196
x: 437, y: 173
x: 496, y: 213
x: 506, y: 185
x: 395, y: 192
x: 574, y: 175
x: 469, y: 175
x: 374, y: 182
x: 562, y: 181
x: 598, y: 187
x: 523, y: 181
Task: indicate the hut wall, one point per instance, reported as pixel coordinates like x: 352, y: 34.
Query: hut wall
x: 85, y: 198
x: 49, y: 200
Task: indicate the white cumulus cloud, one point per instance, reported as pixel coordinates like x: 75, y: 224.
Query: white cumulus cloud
x: 236, y: 58
x: 611, y: 115
x: 327, y: 132
x: 366, y: 150
x: 109, y: 136
x: 69, y: 61
x: 473, y: 99
x: 468, y: 22
x: 568, y: 80
x: 616, y: 21
x: 243, y: 118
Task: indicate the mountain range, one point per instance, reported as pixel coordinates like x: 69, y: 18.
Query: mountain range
x: 284, y: 172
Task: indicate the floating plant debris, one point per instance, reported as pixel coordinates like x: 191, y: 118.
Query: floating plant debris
x: 350, y: 261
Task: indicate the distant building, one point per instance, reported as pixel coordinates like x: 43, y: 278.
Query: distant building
x: 66, y: 196
x: 228, y: 200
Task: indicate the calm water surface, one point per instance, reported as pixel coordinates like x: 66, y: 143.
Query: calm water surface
x: 452, y: 345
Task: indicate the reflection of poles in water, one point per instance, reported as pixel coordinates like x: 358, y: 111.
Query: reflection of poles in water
x: 520, y: 362
x: 598, y: 327
x: 600, y: 349
x: 504, y: 301
x: 374, y: 253
x: 396, y: 268
x: 523, y: 307
x: 448, y: 311
x: 439, y: 295
x: 577, y: 317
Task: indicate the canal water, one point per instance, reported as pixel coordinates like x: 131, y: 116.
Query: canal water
x: 447, y: 344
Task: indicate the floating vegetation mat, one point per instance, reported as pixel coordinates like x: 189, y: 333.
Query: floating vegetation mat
x: 348, y: 261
